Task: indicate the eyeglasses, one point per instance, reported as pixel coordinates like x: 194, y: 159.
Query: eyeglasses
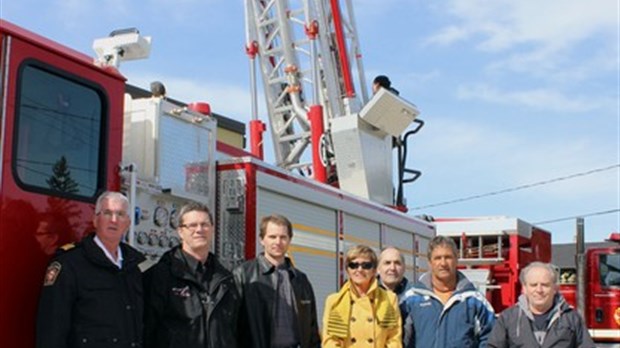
x: 364, y: 265
x: 195, y: 225
x: 109, y: 214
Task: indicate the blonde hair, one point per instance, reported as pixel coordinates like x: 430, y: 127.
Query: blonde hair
x: 361, y: 250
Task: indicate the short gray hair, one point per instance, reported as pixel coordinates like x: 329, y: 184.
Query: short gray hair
x: 442, y: 241
x: 387, y: 247
x: 550, y: 268
x: 111, y: 195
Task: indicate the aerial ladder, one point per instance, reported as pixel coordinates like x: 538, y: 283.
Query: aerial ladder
x: 322, y: 120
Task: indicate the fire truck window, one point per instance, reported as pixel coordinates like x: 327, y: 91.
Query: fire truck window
x: 568, y: 276
x: 58, y: 134
x: 610, y: 269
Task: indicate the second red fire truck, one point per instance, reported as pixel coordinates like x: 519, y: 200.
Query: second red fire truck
x: 493, y: 250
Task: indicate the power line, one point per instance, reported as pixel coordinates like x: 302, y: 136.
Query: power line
x: 521, y: 187
x: 578, y: 216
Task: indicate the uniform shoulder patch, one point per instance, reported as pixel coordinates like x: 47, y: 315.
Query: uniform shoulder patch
x: 68, y: 246
x: 52, y: 272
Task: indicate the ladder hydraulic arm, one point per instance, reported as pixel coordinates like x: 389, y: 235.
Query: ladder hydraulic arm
x: 306, y: 52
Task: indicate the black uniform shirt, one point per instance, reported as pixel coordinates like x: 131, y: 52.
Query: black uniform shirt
x: 87, y: 301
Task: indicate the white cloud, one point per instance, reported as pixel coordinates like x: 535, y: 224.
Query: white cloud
x: 504, y: 23
x: 232, y: 101
x: 75, y: 12
x: 539, y: 98
x: 365, y: 10
x: 559, y: 158
x: 540, y: 38
x: 464, y: 148
x: 467, y: 159
x: 448, y: 35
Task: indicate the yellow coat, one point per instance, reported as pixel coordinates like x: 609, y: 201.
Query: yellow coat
x: 371, y: 323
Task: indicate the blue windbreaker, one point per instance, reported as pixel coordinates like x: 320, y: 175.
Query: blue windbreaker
x: 464, y: 321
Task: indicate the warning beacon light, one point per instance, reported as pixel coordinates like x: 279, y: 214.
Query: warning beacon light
x: 122, y: 45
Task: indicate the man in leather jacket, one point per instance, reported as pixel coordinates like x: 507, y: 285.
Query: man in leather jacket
x: 278, y: 306
x: 190, y: 298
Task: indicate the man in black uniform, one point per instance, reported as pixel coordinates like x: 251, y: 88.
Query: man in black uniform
x: 190, y: 298
x: 92, y: 291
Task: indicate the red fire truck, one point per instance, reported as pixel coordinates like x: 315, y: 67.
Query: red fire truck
x: 493, y: 250
x: 71, y: 128
x: 601, y: 287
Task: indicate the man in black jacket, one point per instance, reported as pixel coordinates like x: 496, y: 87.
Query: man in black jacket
x: 190, y: 298
x: 278, y: 307
x: 92, y: 291
x: 541, y: 318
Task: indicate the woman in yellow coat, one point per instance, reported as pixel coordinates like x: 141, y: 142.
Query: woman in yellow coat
x: 361, y: 314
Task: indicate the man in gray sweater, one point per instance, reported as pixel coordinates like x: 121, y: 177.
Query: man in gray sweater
x: 541, y: 318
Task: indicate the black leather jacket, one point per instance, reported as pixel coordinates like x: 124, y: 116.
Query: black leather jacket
x: 255, y: 281
x: 181, y: 312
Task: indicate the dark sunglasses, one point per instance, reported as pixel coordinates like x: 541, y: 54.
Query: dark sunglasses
x: 365, y: 265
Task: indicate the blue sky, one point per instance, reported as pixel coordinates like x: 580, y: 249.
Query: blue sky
x: 513, y: 93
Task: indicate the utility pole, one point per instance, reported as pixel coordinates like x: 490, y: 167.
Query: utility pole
x: 581, y: 267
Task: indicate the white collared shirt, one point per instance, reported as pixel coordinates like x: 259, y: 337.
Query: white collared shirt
x: 119, y: 261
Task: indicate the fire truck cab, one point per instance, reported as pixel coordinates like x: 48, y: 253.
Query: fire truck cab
x: 602, y: 285
x: 493, y: 250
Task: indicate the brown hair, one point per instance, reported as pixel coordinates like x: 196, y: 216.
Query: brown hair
x: 193, y: 206
x: 279, y: 220
x: 442, y: 241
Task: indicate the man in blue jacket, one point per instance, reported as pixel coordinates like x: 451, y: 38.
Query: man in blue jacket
x: 444, y: 308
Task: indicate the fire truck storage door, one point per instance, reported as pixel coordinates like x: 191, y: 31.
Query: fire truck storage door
x: 313, y: 248
x: 405, y: 243
x: 421, y: 257
x: 358, y: 230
